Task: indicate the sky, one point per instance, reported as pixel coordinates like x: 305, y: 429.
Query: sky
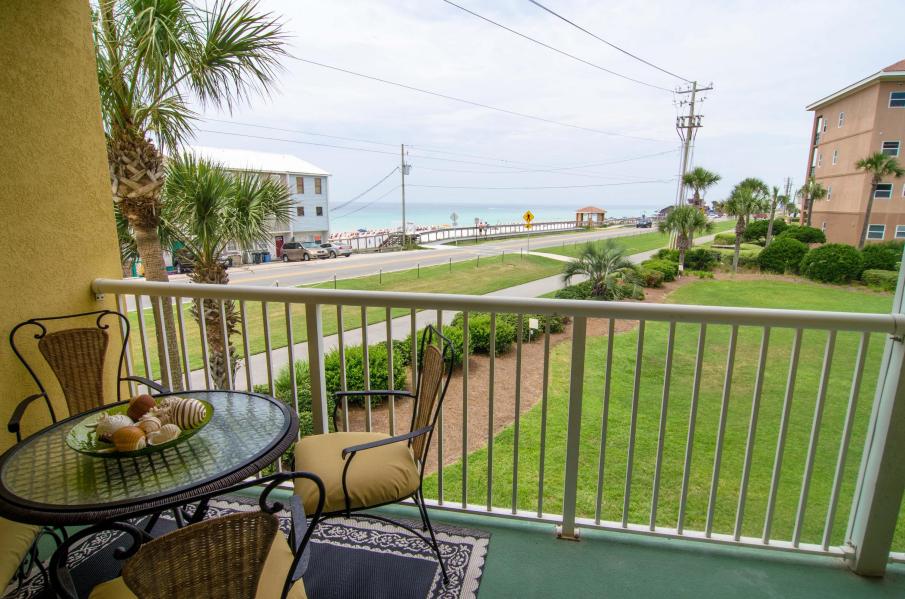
x: 766, y: 60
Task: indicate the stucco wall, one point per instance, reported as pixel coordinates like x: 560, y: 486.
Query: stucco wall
x: 56, y: 228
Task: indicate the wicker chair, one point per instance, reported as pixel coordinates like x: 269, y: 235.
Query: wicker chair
x: 77, y: 357
x: 387, y: 469
x: 239, y: 556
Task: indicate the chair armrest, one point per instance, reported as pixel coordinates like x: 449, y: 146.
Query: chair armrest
x: 16, y: 418
x: 146, y: 382
x: 388, y: 441
x: 380, y: 392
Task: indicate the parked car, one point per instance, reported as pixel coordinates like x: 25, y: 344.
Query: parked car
x: 183, y: 262
x: 337, y: 249
x: 644, y: 223
x: 294, y: 251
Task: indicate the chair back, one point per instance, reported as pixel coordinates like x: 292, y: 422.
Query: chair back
x: 77, y: 356
x: 436, y: 370
x: 221, y: 557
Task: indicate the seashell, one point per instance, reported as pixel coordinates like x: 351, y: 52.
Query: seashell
x: 149, y: 424
x: 161, y: 412
x: 167, y: 433
x: 139, y: 406
x: 110, y: 423
x: 187, y: 412
x: 129, y: 438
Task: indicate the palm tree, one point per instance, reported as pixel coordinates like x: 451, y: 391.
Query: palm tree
x: 747, y: 198
x: 153, y: 58
x: 204, y: 208
x: 700, y: 180
x: 809, y: 193
x: 879, y: 166
x: 776, y: 200
x: 606, y: 266
x: 685, y: 222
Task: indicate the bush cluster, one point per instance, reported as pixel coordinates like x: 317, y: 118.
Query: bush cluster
x: 805, y: 234
x: 724, y: 239
x: 883, y: 256
x: 880, y: 279
x: 833, y: 263
x: 668, y: 268
x: 756, y: 231
x: 782, y: 255
x: 695, y: 258
x: 651, y: 278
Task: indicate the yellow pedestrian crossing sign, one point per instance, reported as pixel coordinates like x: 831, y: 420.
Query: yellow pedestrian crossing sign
x: 528, y: 217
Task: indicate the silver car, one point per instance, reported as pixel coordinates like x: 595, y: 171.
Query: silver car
x: 337, y: 249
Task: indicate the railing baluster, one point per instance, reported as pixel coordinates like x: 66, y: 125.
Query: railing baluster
x: 846, y: 438
x: 202, y: 326
x: 121, y: 306
x: 752, y: 433
x: 519, y: 331
x: 414, y: 349
x: 290, y: 353
x: 721, y: 431
x: 781, y: 437
x: 391, y: 373
x: 573, y: 430
x: 692, y: 421
x: 633, y: 425
x: 314, y: 330
x: 341, y: 338
x: 227, y: 358
x: 166, y: 376
x: 543, y: 418
x: 249, y: 383
x: 186, y: 365
x: 366, y: 366
x: 265, y: 321
x: 440, y: 453
x: 465, y: 341
x: 490, y: 375
x: 815, y: 437
x: 143, y: 337
x: 604, y: 418
x: 661, y: 435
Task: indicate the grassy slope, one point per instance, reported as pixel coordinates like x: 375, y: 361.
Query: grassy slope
x: 467, y: 278
x: 768, y: 294
x: 633, y: 244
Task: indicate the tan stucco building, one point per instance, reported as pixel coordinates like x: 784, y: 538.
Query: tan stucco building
x: 861, y: 119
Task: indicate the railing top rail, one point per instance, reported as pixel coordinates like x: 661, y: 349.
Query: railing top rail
x: 893, y: 324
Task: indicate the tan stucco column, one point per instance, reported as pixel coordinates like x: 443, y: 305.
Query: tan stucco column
x: 56, y: 220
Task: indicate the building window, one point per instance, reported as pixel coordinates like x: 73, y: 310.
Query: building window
x: 841, y: 119
x: 829, y: 193
x: 883, y: 191
x: 897, y: 99
x: 835, y: 156
x: 300, y: 211
x: 300, y: 185
x: 320, y: 210
x: 900, y: 231
x: 876, y: 231
x: 317, y: 186
x: 819, y: 159
x: 890, y: 148
x: 823, y: 227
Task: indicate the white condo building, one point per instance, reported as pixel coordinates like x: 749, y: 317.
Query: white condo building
x: 308, y: 184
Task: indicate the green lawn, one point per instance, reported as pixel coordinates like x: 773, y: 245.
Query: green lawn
x: 767, y: 294
x: 633, y: 244
x: 470, y: 277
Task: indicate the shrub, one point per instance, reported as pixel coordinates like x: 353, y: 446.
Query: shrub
x: 479, y: 334
x: 782, y: 255
x: 579, y: 291
x: 833, y: 263
x: 756, y: 231
x: 882, y: 256
x: 667, y: 254
x: 805, y: 234
x: 669, y: 269
x: 701, y: 274
x: 700, y: 259
x: 651, y: 278
x: 631, y: 291
x: 881, y: 279
x: 724, y: 239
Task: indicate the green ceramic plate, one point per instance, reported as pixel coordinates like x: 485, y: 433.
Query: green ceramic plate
x: 83, y: 439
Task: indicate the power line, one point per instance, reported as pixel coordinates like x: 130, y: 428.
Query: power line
x: 544, y: 187
x: 557, y: 50
x: 258, y: 126
x: 478, y: 104
x: 372, y: 202
x: 346, y: 203
x: 610, y: 44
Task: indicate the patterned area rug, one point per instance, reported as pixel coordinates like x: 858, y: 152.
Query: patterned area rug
x: 350, y: 558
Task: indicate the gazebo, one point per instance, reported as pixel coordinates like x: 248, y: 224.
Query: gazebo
x: 590, y: 216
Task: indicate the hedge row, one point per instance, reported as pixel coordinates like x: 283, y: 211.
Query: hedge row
x: 880, y: 279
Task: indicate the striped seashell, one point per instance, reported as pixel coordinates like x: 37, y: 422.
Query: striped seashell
x: 129, y: 438
x: 110, y: 423
x: 149, y: 424
x: 167, y: 433
x: 161, y: 412
x: 187, y: 413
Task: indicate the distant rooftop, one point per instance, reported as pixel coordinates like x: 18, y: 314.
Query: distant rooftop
x: 892, y: 72
x: 591, y: 210
x: 266, y: 162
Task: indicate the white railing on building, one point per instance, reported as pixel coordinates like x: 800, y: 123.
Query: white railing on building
x: 877, y: 493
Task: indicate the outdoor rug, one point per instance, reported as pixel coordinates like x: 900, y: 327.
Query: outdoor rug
x: 350, y: 558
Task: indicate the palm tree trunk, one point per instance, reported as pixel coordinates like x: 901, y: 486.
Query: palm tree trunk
x: 770, y: 225
x: 810, y: 203
x: 221, y: 352
x: 739, y: 231
x: 867, y: 213
x: 681, y: 260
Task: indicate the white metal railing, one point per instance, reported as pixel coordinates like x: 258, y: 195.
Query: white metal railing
x: 702, y: 328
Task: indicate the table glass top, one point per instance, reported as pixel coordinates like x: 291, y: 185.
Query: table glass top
x: 44, y: 470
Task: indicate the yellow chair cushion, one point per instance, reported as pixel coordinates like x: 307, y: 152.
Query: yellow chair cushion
x: 269, y: 587
x: 376, y: 476
x: 16, y: 541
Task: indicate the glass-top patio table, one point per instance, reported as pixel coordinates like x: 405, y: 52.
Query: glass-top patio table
x: 44, y: 481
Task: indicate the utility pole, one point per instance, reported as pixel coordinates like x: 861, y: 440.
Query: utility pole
x: 402, y: 169
x: 687, y: 127
x: 785, y: 209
